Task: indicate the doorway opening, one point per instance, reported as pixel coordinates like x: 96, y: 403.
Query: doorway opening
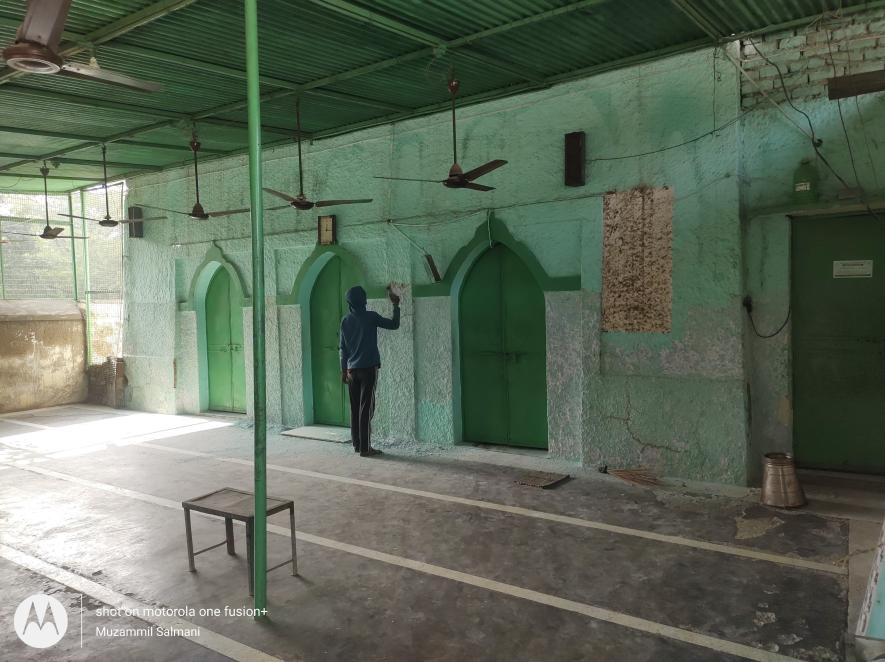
x: 838, y: 343
x: 327, y: 308
x: 225, y: 361
x: 503, y: 353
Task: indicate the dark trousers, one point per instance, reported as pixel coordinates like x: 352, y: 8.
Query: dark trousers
x: 362, y: 406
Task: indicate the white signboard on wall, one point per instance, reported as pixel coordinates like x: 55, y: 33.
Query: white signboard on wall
x: 852, y: 268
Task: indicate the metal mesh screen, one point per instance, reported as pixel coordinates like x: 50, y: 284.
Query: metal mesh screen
x: 105, y: 263
x: 88, y: 270
x: 34, y: 268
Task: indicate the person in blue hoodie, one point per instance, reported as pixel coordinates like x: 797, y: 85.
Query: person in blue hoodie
x: 360, y: 361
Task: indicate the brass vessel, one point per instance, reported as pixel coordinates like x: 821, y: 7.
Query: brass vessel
x: 780, y: 484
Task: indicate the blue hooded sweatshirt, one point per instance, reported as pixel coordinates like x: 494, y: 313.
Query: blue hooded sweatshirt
x: 359, y: 332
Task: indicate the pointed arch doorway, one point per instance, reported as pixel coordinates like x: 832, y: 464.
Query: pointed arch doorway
x: 327, y: 308
x: 503, y: 352
x: 225, y: 360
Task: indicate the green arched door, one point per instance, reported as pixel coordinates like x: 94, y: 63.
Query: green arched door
x: 327, y: 308
x: 503, y: 353
x: 224, y: 345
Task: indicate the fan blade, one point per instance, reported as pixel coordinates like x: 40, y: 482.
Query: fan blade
x: 22, y: 234
x: 44, y: 22
x: 75, y: 70
x: 228, y: 212
x: 478, y: 187
x: 168, y: 211
x: 85, y: 218
x: 329, y: 203
x: 409, y: 179
x: 284, y: 196
x: 276, y: 208
x: 483, y: 169
x: 141, y: 220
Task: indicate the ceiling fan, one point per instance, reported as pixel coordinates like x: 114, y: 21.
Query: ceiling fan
x: 35, y: 49
x: 107, y: 221
x: 457, y: 177
x: 197, y: 212
x: 300, y: 201
x: 48, y: 231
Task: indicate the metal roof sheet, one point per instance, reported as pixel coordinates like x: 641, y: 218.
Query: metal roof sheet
x: 355, y: 63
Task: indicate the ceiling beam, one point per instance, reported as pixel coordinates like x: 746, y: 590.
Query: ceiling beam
x: 238, y: 74
x: 519, y: 89
x: 93, y: 102
x: 473, y: 99
x: 39, y: 176
x: 395, y: 26
x: 220, y: 69
x: 410, y: 57
x: 42, y: 133
x: 699, y: 18
x: 465, y: 101
x: 89, y: 143
x: 321, y: 82
x: 112, y: 30
x: 88, y: 162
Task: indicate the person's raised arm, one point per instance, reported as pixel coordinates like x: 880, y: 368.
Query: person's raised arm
x: 392, y: 323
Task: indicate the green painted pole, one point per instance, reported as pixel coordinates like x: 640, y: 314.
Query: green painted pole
x: 88, y: 283
x: 253, y: 94
x: 73, y: 248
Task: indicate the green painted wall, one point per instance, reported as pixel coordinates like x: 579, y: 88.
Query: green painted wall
x: 676, y: 402
x: 771, y: 150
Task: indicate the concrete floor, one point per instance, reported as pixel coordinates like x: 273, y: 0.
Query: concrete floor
x: 412, y: 556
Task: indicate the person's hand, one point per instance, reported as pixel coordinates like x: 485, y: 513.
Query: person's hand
x: 394, y: 298
x: 345, y: 376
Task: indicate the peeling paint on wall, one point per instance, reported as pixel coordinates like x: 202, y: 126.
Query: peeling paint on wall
x: 637, y: 272
x: 42, y: 354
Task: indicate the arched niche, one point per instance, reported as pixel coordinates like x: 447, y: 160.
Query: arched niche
x: 300, y: 295
x: 196, y: 301
x: 489, y: 234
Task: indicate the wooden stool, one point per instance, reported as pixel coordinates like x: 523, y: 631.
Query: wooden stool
x: 232, y: 504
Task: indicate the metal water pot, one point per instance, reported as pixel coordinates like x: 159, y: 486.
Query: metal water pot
x: 780, y: 484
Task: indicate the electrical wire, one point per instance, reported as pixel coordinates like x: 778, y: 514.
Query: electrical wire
x: 12, y: 186
x: 410, y: 240
x: 765, y: 95
x: 863, y: 124
x: 841, y: 116
x: 766, y: 336
x: 682, y: 144
x: 815, y: 141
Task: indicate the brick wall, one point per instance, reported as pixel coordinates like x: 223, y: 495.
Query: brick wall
x: 856, y: 45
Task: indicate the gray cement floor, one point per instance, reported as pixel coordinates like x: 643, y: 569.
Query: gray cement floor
x: 412, y: 556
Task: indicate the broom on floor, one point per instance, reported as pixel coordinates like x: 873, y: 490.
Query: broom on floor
x: 640, y: 476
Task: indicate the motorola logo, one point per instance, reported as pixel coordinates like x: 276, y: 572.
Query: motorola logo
x: 40, y: 621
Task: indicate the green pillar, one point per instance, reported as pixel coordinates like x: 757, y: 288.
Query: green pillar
x: 253, y: 94
x: 73, y: 246
x: 88, y: 284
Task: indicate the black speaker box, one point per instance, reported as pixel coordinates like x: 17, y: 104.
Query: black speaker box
x: 575, y: 158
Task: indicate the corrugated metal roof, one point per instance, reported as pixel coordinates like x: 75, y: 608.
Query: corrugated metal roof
x: 358, y: 63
